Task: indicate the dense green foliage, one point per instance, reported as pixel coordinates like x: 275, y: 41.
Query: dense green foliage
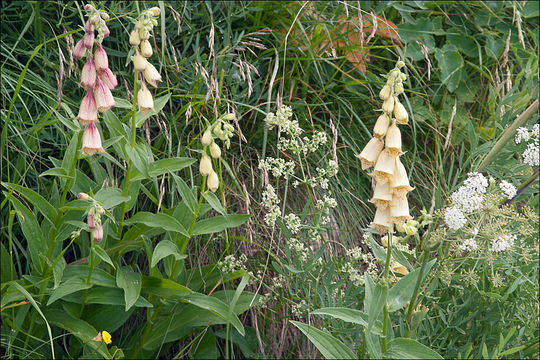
x: 185, y: 271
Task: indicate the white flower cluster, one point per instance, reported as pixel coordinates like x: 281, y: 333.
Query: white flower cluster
x: 508, y: 189
x: 292, y: 222
x: 469, y: 245
x: 270, y: 201
x: 299, y: 309
x: 454, y: 218
x: 282, y: 118
x: 531, y: 155
x: 230, y: 264
x: 300, y: 249
x: 313, y: 144
x: 502, y: 243
x: 466, y: 199
x: 355, y: 253
x: 355, y: 275
x: 324, y: 207
x: 278, y: 167
x: 323, y: 175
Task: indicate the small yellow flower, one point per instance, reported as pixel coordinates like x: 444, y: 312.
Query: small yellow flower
x: 106, y: 337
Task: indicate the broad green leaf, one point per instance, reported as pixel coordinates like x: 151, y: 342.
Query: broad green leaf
x: 81, y: 329
x: 37, y: 201
x: 187, y: 195
x: 110, y: 197
x: 350, y: 315
x: 403, y: 348
x: 7, y: 268
x: 216, y: 306
x: 329, y: 346
x: 214, y: 202
x: 99, y: 277
x: 402, y: 291
x: 131, y: 283
x: 164, y: 249
x: 56, y: 172
x: 206, y: 348
x: 494, y: 47
x: 105, y: 296
x: 375, y: 298
x: 451, y: 64
x: 159, y: 103
x: 160, y: 220
x: 169, y: 165
x: 69, y: 286
x: 103, y: 255
x: 70, y: 154
x: 164, y: 287
x: 218, y: 223
x: 58, y: 271
x: 134, y: 156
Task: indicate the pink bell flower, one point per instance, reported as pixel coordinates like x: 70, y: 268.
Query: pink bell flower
x: 91, y: 141
x: 89, y: 39
x: 88, y: 110
x: 88, y: 74
x: 108, y: 78
x: 103, y: 96
x: 101, y: 60
x: 80, y: 49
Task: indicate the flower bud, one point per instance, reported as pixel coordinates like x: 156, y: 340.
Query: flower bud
x: 89, y: 39
x: 385, y: 92
x: 403, y: 77
x: 94, y: 19
x: 384, y: 167
x: 90, y: 220
x: 399, y: 209
x: 88, y: 27
x: 215, y: 151
x: 145, y: 100
x: 106, y: 31
x: 395, y: 240
x: 108, y: 78
x: 382, y: 195
x: 213, y: 181
x: 89, y: 7
x: 139, y: 62
x: 83, y: 196
x: 228, y: 117
x: 91, y: 141
x: 103, y: 96
x: 146, y: 49
x: 393, y: 140
x: 398, y: 88
x: 144, y: 34
x: 206, y: 139
x: 397, y: 267
x: 80, y: 50
x: 205, y: 167
x: 102, y: 62
x: 151, y: 74
x: 410, y: 230
x: 104, y: 16
x: 154, y: 11
x: 371, y: 152
x: 88, y: 74
x: 134, y: 39
x: 388, y: 105
x: 97, y: 233
x: 400, y: 64
x: 381, y: 126
x: 400, y: 181
x: 381, y: 222
x: 400, y: 113
x: 88, y: 110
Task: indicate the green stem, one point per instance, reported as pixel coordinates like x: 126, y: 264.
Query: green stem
x: 91, y: 263
x: 386, y: 268
x: 416, y: 290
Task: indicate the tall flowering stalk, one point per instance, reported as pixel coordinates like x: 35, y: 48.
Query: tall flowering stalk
x: 383, y: 152
x: 96, y: 78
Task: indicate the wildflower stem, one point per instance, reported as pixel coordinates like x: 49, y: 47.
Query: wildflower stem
x: 91, y: 255
x: 416, y: 290
x: 523, y: 187
x: 385, y: 310
x: 508, y: 134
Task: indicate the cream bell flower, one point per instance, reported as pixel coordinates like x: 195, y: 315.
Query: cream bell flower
x: 400, y: 113
x: 385, y: 92
x: 205, y: 166
x: 103, y: 96
x: 393, y: 140
x: 381, y: 221
x: 88, y: 74
x: 146, y: 49
x: 144, y: 99
x: 371, y: 152
x: 134, y: 38
x: 139, y: 62
x: 384, y: 167
x: 91, y: 141
x: 397, y: 267
x: 88, y: 112
x: 388, y: 105
x: 151, y: 75
x: 399, y: 210
x: 206, y: 139
x: 382, y: 196
x: 215, y: 151
x: 213, y: 181
x: 381, y: 126
x: 400, y: 182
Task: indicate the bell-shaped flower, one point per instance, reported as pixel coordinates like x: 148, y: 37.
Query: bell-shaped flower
x: 385, y: 92
x: 88, y: 74
x: 151, y: 75
x: 88, y: 110
x: 400, y: 113
x: 213, y: 181
x: 106, y: 31
x: 393, y: 140
x: 371, y: 152
x: 205, y: 166
x: 97, y: 233
x: 89, y: 39
x: 381, y: 126
x: 215, y: 151
x: 384, y: 167
x: 388, y: 105
x: 382, y: 196
x: 146, y: 49
x: 397, y: 267
x: 102, y: 62
x: 80, y: 50
x: 91, y: 221
x: 108, y: 78
x: 134, y: 38
x: 88, y: 27
x: 91, y: 141
x: 139, y: 62
x: 206, y: 139
x: 399, y: 209
x: 399, y: 183
x: 144, y: 99
x: 381, y: 222
x: 103, y: 96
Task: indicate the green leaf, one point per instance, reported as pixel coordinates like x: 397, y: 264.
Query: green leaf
x: 110, y: 197
x: 42, y: 205
x: 164, y: 249
x: 451, y: 64
x: 161, y: 220
x: 69, y: 286
x: 214, y: 202
x: 169, y: 165
x: 350, y: 315
x: 164, y: 287
x: 403, y: 348
x: 329, y: 346
x: 206, y: 348
x: 374, y: 300
x: 159, y: 103
x: 57, y: 172
x: 218, y: 223
x: 138, y: 162
x: 105, y: 296
x: 103, y: 255
x: 99, y: 277
x: 403, y: 290
x: 187, y: 195
x: 216, y: 306
x: 494, y: 48
x: 58, y: 271
x: 70, y: 153
x: 131, y: 283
